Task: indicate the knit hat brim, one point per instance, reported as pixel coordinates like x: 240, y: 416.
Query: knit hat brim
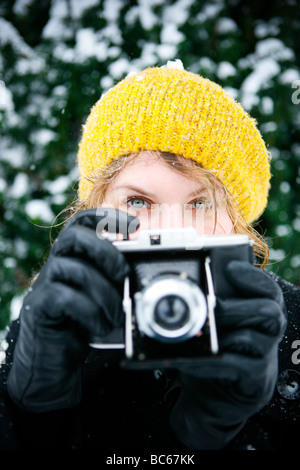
x: 180, y: 112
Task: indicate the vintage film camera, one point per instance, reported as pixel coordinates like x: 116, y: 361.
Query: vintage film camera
x: 170, y: 297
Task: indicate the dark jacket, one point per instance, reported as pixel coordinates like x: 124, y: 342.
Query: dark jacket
x: 126, y: 410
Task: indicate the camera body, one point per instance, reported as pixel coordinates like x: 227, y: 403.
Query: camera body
x: 170, y: 296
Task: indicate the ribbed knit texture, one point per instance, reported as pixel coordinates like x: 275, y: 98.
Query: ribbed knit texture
x: 181, y: 112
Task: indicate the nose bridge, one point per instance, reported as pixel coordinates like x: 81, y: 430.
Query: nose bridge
x: 178, y: 216
x: 169, y: 216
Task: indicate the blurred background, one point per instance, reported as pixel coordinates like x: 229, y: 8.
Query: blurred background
x: 57, y: 57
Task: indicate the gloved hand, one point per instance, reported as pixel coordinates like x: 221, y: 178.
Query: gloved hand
x: 77, y: 294
x: 219, y: 395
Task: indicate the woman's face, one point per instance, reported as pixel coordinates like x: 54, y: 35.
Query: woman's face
x: 160, y: 197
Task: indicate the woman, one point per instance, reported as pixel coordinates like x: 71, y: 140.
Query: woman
x: 172, y: 150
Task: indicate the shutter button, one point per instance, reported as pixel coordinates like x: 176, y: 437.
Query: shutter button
x: 288, y: 384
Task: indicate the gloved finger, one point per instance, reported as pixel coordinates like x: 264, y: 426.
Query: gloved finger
x: 106, y: 218
x: 83, y: 243
x: 222, y: 367
x: 81, y: 275
x: 263, y: 315
x: 246, y: 342
x: 251, y: 281
x: 238, y: 380
x: 230, y: 367
x: 67, y: 302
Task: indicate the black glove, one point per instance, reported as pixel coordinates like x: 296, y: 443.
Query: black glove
x: 219, y: 395
x: 77, y: 294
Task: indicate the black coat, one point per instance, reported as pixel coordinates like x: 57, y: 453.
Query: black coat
x: 126, y: 410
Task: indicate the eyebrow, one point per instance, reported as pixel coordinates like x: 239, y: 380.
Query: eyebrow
x: 142, y: 192
x: 134, y: 189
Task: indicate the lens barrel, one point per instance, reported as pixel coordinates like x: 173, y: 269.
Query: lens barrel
x: 171, y: 312
x: 170, y: 309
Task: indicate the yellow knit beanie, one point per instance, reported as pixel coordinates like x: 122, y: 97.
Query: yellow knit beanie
x: 172, y: 110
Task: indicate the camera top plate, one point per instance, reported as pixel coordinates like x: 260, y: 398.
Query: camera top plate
x: 181, y: 239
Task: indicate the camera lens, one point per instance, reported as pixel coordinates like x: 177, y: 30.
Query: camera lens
x: 170, y: 309
x: 171, y: 312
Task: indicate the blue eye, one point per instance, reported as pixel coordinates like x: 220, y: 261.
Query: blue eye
x: 138, y: 203
x: 200, y: 204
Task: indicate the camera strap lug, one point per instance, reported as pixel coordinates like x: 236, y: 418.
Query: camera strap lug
x: 211, y: 303
x: 127, y: 307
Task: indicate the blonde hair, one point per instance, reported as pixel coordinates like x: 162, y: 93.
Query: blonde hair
x: 189, y: 168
